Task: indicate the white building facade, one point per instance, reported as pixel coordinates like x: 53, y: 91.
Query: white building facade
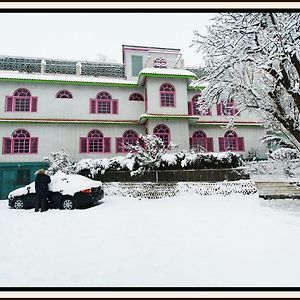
x: 90, y: 109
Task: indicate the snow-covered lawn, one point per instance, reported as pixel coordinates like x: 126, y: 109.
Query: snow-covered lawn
x: 192, y: 241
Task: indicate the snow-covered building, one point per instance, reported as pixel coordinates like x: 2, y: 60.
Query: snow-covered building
x: 89, y: 109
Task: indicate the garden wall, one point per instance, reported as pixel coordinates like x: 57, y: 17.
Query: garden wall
x: 156, y: 190
x: 211, y: 175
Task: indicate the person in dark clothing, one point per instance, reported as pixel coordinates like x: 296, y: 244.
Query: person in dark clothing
x: 42, y: 190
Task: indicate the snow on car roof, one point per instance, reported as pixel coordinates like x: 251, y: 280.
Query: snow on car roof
x: 66, y: 184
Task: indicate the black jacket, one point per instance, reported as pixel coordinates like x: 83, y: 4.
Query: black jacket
x: 41, y: 184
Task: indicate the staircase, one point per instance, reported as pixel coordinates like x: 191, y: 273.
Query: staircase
x: 278, y: 190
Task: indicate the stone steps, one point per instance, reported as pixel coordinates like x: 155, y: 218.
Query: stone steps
x: 277, y: 190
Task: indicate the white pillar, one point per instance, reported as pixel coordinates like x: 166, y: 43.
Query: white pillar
x: 43, y: 66
x: 78, y: 68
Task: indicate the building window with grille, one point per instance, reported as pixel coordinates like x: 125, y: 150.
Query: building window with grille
x: 160, y: 63
x: 199, y: 142
x: 95, y: 142
x: 231, y: 142
x: 136, y: 97
x: 227, y: 108
x: 195, y: 104
x: 64, y: 94
x: 167, y: 95
x: 20, y: 142
x: 21, y: 101
x: 163, y: 132
x: 103, y: 104
x: 130, y: 137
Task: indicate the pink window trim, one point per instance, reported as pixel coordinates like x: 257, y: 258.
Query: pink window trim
x: 13, y: 139
x: 200, y: 138
x: 114, y: 106
x: 163, y: 136
x: 15, y: 101
x: 193, y: 110
x: 90, y: 139
x: 61, y: 93
x: 125, y: 139
x: 167, y: 93
x: 231, y: 108
x: 232, y: 140
x: 31, y: 106
x: 134, y: 96
x: 20, y: 91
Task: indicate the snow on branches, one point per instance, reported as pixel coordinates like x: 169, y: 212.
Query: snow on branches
x: 59, y: 161
x: 254, y: 58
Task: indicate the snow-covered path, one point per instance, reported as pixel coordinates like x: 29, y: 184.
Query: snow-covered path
x: 186, y: 241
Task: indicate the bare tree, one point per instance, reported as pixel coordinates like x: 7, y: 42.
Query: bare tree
x: 255, y: 59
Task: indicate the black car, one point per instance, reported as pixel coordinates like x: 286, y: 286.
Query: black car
x: 66, y: 192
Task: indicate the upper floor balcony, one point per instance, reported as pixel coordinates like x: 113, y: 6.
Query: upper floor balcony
x: 164, y: 59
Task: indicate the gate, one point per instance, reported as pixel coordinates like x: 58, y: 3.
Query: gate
x: 15, y: 175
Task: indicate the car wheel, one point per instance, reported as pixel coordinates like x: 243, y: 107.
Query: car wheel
x: 67, y: 204
x: 18, y: 204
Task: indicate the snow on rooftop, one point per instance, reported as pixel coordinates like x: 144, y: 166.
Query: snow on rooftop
x: 198, y: 84
x: 163, y: 71
x: 68, y: 78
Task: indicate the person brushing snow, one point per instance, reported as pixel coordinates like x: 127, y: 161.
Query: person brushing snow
x: 42, y: 190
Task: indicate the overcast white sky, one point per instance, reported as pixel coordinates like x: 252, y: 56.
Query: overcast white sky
x: 84, y: 35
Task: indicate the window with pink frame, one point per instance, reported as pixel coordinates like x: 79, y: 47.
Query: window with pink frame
x: 95, y: 142
x: 227, y: 108
x: 20, y: 142
x: 199, y: 142
x: 163, y: 132
x: 64, y: 94
x: 136, y: 97
x: 103, y: 104
x: 21, y: 101
x: 130, y: 137
x: 194, y: 104
x: 231, y: 142
x: 167, y: 95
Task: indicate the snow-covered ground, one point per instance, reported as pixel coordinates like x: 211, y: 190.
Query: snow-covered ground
x: 191, y: 241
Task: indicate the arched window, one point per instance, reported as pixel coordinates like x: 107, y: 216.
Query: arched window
x: 193, y: 106
x: 95, y: 142
x: 130, y: 137
x: 163, y: 132
x: 160, y: 63
x: 64, y: 94
x: 21, y: 101
x: 136, y: 97
x: 231, y: 142
x: 103, y: 104
x: 227, y: 108
x: 20, y: 142
x: 199, y: 142
x: 167, y: 95
x: 22, y: 93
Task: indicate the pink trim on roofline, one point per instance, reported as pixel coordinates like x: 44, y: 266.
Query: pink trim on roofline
x: 134, y: 49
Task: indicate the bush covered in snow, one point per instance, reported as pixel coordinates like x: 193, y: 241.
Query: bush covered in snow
x: 169, y: 161
x: 147, y: 155
x: 59, y: 161
x: 284, y: 154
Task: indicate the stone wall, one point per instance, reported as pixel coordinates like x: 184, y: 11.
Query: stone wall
x: 156, y: 190
x: 210, y: 175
